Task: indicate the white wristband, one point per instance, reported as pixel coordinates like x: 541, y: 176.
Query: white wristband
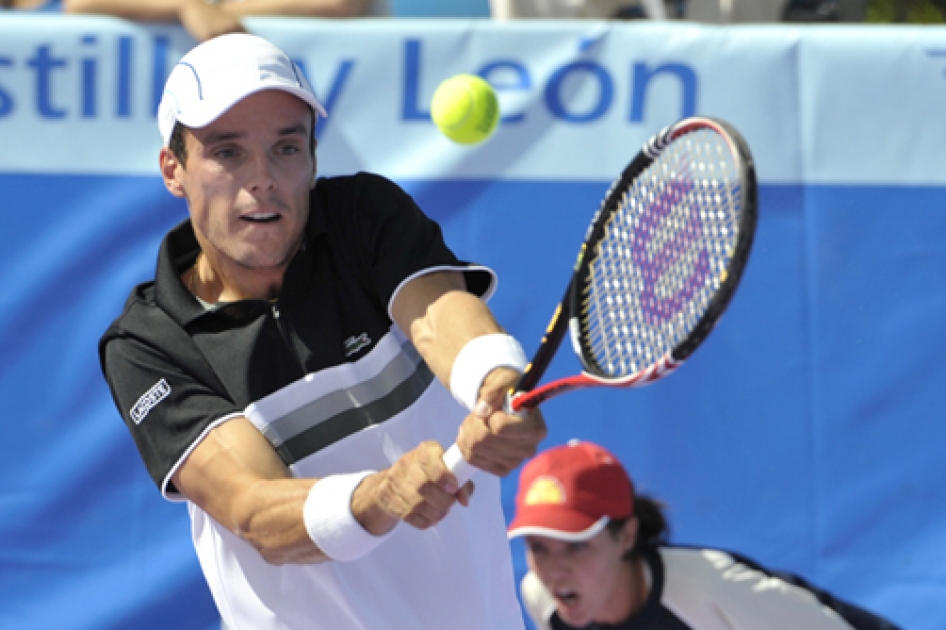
x: 330, y: 523
x: 480, y: 356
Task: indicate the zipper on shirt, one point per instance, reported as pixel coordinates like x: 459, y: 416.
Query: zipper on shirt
x: 286, y: 338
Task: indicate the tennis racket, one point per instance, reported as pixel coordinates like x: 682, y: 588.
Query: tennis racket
x: 659, y: 265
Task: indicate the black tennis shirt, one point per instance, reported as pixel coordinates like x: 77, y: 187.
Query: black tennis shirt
x: 175, y: 369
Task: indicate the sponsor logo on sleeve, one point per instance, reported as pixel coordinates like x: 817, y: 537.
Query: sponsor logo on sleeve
x: 149, y: 400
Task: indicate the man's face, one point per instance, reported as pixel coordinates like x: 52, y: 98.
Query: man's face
x: 247, y: 180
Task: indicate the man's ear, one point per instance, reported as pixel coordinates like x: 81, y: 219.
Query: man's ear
x: 171, y: 169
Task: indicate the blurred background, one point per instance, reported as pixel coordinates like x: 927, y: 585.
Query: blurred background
x: 805, y: 433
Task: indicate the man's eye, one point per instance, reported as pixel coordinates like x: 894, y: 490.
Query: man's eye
x: 224, y: 153
x: 289, y: 149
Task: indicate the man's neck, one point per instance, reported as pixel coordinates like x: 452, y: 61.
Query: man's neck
x: 213, y: 286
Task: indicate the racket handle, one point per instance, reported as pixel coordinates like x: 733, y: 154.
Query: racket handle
x: 460, y: 468
x: 453, y: 458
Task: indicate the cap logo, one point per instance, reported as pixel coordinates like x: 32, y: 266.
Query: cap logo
x: 200, y: 89
x: 277, y: 70
x: 545, y: 491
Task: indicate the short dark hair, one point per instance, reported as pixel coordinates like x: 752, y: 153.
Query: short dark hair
x: 178, y: 145
x: 653, y: 529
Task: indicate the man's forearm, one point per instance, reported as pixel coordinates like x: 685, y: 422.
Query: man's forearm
x: 444, y: 324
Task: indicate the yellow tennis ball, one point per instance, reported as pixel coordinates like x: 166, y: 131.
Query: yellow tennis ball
x: 465, y: 109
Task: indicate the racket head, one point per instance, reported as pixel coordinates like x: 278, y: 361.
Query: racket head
x: 665, y: 253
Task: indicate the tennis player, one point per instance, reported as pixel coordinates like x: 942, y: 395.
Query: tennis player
x: 599, y: 558
x: 289, y: 371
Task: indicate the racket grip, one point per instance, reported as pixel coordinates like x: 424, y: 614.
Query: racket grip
x: 453, y: 458
x: 460, y: 468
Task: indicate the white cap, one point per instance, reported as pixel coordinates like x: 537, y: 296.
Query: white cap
x: 219, y: 73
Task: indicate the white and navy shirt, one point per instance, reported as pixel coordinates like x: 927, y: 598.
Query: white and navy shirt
x: 336, y: 387
x: 709, y: 589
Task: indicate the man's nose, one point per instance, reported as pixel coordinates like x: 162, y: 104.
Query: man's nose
x: 262, y: 176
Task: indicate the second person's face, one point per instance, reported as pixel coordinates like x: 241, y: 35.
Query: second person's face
x: 588, y: 580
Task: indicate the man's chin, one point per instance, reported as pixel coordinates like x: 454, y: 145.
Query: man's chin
x: 266, y: 258
x: 264, y: 266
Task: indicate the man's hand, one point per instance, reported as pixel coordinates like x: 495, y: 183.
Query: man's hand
x: 418, y: 489
x: 496, y: 441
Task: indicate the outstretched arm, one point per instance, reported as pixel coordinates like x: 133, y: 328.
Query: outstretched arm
x: 441, y: 318
x: 235, y: 476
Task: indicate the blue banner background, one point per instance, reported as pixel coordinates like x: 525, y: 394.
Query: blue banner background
x: 805, y: 433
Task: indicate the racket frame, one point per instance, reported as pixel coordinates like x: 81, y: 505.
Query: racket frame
x: 526, y: 395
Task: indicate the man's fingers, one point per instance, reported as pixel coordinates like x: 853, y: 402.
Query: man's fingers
x: 524, y: 427
x: 483, y: 409
x: 501, y: 462
x: 431, y: 463
x: 500, y: 442
x: 466, y: 493
x: 422, y: 488
x: 422, y: 508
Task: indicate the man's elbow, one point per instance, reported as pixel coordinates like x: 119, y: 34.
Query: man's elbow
x: 276, y: 544
x: 278, y: 556
x: 279, y: 548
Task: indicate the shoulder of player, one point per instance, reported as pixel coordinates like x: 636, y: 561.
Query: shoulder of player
x: 699, y: 563
x: 144, y: 323
x: 694, y: 575
x: 145, y: 331
x: 142, y: 318
x: 139, y: 301
x: 337, y: 193
x: 359, y: 179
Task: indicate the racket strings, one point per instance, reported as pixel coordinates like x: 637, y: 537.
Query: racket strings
x: 665, y: 252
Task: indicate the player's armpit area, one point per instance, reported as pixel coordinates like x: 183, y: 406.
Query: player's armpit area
x: 440, y: 317
x: 236, y: 477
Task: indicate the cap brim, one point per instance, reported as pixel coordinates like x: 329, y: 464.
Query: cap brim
x: 557, y: 523
x: 198, y: 117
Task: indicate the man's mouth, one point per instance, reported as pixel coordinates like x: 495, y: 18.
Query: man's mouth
x: 260, y: 217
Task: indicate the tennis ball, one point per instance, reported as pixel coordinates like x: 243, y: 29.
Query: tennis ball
x: 465, y: 109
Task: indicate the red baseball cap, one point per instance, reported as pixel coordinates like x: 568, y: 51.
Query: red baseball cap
x: 571, y: 493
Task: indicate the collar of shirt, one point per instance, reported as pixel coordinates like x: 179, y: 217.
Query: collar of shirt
x: 179, y: 251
